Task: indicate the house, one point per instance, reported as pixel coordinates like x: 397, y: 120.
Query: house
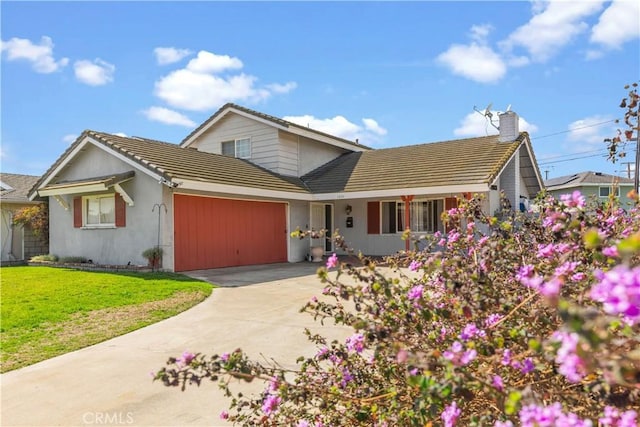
x: 18, y: 242
x: 236, y: 187
x: 593, y: 185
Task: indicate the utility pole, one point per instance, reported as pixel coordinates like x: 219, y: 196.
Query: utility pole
x: 628, y: 168
x: 635, y: 174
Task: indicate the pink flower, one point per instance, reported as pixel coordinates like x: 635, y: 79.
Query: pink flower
x: 415, y: 293
x: 613, y: 418
x: 224, y: 415
x: 356, y: 343
x: 571, y: 365
x: 185, y: 359
x: 470, y: 331
x: 545, y: 251
x: 270, y: 404
x: 506, y: 357
x: 415, y: 265
x: 492, y: 320
x: 450, y: 415
x: 332, y: 261
x: 573, y: 200
x: 551, y: 288
x: 496, y: 381
x: 610, y: 251
x: 619, y: 292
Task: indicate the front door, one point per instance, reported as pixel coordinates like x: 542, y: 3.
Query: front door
x: 322, y: 219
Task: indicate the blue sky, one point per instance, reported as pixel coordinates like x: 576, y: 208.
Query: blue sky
x: 386, y: 73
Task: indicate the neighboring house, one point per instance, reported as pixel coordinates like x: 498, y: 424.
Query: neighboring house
x: 593, y: 185
x: 18, y: 243
x: 236, y: 187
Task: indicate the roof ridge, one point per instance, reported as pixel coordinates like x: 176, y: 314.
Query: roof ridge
x: 269, y: 117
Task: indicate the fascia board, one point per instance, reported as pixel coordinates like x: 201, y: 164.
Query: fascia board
x: 372, y: 194
x: 243, y: 191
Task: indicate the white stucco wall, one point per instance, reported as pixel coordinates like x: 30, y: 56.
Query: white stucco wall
x: 112, y: 245
x: 298, y: 217
x: 356, y: 237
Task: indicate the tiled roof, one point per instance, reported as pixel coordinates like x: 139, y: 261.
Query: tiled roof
x: 463, y: 161
x: 458, y: 162
x: 582, y: 178
x: 20, y: 186
x: 106, y: 180
x: 174, y: 163
x: 270, y: 118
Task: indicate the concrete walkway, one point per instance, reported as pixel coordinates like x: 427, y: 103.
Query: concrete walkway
x: 110, y: 383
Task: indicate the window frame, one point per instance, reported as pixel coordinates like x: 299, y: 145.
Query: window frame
x: 236, y: 150
x: 399, y: 216
x: 85, y: 210
x: 608, y: 188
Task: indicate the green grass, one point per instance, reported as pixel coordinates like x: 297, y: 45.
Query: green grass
x: 49, y: 311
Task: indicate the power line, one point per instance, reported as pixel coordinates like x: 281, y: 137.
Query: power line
x: 573, y: 158
x: 601, y: 150
x: 570, y: 160
x: 577, y: 128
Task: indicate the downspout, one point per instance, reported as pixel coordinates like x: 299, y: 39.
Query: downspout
x: 407, y: 218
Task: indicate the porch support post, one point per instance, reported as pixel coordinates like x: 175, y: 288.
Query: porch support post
x: 407, y: 217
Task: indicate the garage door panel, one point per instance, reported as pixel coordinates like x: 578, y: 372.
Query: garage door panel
x: 213, y: 233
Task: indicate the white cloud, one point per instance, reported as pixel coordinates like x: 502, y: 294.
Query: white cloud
x: 474, y: 124
x: 619, y: 23
x: 39, y: 55
x: 170, y: 117
x: 373, y: 126
x: 96, y: 73
x: 553, y: 25
x: 200, y: 87
x: 169, y: 55
x: 480, y: 33
x: 121, y: 134
x: 207, y: 62
x: 69, y: 138
x: 368, y: 134
x: 590, y: 130
x: 282, y: 88
x: 475, y: 62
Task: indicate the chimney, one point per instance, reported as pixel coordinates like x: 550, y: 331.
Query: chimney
x: 508, y: 126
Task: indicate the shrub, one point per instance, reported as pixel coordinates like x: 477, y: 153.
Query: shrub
x: 37, y: 218
x: 153, y: 253
x: 528, y: 319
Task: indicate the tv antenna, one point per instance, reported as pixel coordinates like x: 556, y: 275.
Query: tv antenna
x: 487, y: 114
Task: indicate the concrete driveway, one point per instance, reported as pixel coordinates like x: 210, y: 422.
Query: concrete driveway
x: 110, y: 383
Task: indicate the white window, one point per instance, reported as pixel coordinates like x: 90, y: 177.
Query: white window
x: 390, y: 218
x: 240, y: 148
x: 425, y: 216
x: 100, y: 211
x: 606, y: 191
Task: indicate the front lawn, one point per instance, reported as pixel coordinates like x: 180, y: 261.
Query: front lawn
x: 49, y: 311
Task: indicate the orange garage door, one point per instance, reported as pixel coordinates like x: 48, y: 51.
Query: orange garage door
x: 213, y: 233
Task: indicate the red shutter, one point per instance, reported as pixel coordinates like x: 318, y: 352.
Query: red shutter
x: 121, y: 211
x: 450, y: 203
x: 77, y: 212
x: 373, y: 217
